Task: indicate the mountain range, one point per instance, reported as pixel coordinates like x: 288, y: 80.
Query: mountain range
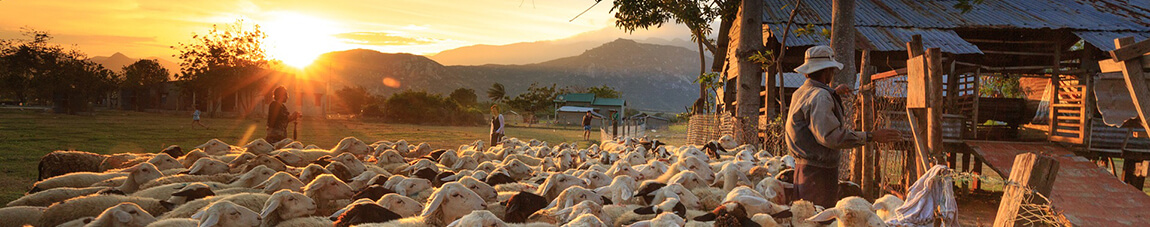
x: 117, y: 61
x: 650, y: 76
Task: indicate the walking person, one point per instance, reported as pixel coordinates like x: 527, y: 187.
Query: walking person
x: 496, y: 125
x: 196, y: 119
x: 278, y: 116
x: 587, y: 125
x: 815, y: 131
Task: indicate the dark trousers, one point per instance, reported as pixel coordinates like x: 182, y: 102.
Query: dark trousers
x: 495, y: 138
x: 819, y: 185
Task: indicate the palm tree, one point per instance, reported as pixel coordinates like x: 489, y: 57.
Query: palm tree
x: 496, y: 92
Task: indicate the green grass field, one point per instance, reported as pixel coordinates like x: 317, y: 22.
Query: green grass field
x: 27, y: 135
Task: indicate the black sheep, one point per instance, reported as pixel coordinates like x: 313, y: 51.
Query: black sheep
x: 365, y: 213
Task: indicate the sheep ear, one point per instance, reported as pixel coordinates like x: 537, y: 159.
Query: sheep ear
x: 645, y: 210
x: 543, y: 189
x: 641, y: 224
x: 121, y: 216
x: 436, y: 201
x: 262, y: 185
x: 826, y: 215
x: 195, y: 168
x: 454, y: 223
x: 787, y: 185
x: 212, y: 219
x: 401, y: 190
x: 706, y: 217
x: 270, y: 207
x: 769, y: 192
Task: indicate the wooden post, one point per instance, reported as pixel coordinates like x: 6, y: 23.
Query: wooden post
x: 918, y: 102
x: 1055, y: 79
x: 868, y: 165
x: 1030, y: 171
x: 935, y: 105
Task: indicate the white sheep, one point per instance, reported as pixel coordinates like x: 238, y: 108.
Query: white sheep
x: 253, y: 201
x: 216, y: 147
x: 677, y: 191
x: 75, y: 180
x: 752, y: 201
x: 884, y: 206
x: 50, y: 196
x: 325, y: 190
x: 402, y: 205
x: 417, y: 188
x: 354, y: 164
x: 286, y: 205
x: 620, y: 191
x: 227, y: 214
x: 555, y: 184
x: 483, y: 218
x: 691, y: 163
x: 208, y: 166
x: 573, y: 195
x: 585, y: 220
x: 163, y: 161
x: 123, y: 215
x: 191, y: 157
x: 664, y: 219
x: 312, y: 171
x: 596, y: 179
x: 21, y: 215
x: 280, y: 181
x: 484, y: 190
x: 449, y: 203
x: 850, y: 211
x: 259, y: 146
x: 351, y: 145
x: 176, y: 222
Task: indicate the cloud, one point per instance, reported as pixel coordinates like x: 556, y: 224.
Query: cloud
x: 383, y: 39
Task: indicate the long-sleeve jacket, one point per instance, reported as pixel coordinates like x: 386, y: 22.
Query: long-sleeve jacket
x: 814, y: 130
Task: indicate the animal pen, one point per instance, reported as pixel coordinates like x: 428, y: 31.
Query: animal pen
x: 944, y: 115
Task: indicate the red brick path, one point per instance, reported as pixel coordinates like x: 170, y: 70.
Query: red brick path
x: 1087, y: 194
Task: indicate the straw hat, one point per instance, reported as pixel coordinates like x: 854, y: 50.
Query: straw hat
x: 818, y: 58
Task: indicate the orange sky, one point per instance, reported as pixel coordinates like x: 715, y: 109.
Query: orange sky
x: 299, y: 30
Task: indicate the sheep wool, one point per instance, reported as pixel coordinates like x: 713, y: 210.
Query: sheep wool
x: 176, y: 222
x: 59, y: 163
x: 92, y: 205
x: 50, y: 196
x: 21, y: 215
x: 252, y: 201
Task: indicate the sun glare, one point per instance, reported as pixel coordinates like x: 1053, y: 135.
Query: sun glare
x: 297, y: 39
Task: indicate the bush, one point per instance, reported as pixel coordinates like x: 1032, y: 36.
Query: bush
x: 420, y: 107
x: 371, y: 111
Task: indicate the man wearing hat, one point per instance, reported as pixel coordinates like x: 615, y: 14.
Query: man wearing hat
x: 815, y: 131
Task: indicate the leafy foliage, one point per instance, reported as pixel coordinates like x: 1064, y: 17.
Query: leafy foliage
x: 712, y: 81
x: 144, y: 73
x: 216, y: 62
x: 497, y: 92
x: 354, y: 99
x: 604, y: 91
x: 464, y: 97
x: 535, y: 100
x: 33, y: 69
x: 966, y: 5
x: 420, y: 107
x: 1001, y: 86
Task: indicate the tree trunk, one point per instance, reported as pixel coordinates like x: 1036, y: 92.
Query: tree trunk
x: 701, y: 105
x: 747, y: 38
x: 843, y: 39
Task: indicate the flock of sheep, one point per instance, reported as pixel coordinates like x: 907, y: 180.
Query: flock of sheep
x: 630, y: 182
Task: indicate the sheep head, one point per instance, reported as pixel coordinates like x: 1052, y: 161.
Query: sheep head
x: 353, y: 164
x: 189, y: 159
x: 259, y: 146
x: 402, y: 205
x: 286, y: 204
x: 679, y: 192
x: 574, y: 195
x: 227, y: 214
x: 280, y: 181
x: 554, y: 183
x: 268, y: 161
x: 292, y: 157
x: 389, y: 156
x: 850, y: 211
x: 595, y: 179
x: 478, y: 218
x: 328, y: 187
x: 208, y: 166
x: 123, y: 214
x: 451, y: 202
x: 253, y: 177
x: 484, y: 190
x: 164, y: 161
x: 215, y: 147
x: 688, y: 179
x: 411, y: 186
x: 353, y: 146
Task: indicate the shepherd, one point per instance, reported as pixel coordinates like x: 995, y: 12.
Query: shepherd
x: 278, y: 116
x: 815, y: 131
x: 496, y: 125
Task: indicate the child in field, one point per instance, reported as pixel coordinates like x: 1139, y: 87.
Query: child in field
x: 196, y: 119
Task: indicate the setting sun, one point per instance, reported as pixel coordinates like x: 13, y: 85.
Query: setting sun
x: 297, y: 39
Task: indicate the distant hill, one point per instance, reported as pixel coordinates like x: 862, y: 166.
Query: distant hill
x: 651, y: 77
x: 540, y: 51
x: 117, y: 61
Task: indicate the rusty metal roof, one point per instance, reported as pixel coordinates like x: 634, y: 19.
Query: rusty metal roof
x: 887, y: 24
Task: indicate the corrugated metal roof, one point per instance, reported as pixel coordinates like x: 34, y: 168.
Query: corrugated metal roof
x: 885, y: 38
x: 608, y: 102
x: 1105, y: 39
x: 576, y: 97
x: 888, y: 24
x: 579, y: 109
x: 1114, y: 15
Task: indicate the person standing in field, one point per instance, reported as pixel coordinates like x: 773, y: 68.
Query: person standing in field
x: 278, y: 116
x: 196, y: 119
x: 587, y: 125
x: 496, y: 125
x: 815, y: 131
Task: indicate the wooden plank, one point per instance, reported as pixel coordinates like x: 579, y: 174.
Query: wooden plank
x: 1054, y: 83
x: 1130, y: 50
x: 916, y: 82
x: 1008, y: 41
x: 935, y: 105
x: 1031, y: 172
x: 1136, y: 82
x: 1016, y: 53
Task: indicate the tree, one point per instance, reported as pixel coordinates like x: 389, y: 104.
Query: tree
x: 465, y: 97
x: 354, y: 99
x: 36, y: 69
x: 697, y: 15
x: 140, y: 78
x: 497, y: 93
x: 144, y: 73
x: 225, y: 60
x: 536, y: 99
x: 603, y: 91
